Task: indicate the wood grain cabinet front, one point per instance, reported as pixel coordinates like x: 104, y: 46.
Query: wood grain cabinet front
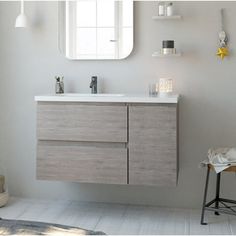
x: 82, y: 122
x: 123, y: 143
x: 153, y: 145
x: 78, y: 163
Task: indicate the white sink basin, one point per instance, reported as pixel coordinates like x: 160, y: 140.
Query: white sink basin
x: 105, y: 97
x: 92, y: 95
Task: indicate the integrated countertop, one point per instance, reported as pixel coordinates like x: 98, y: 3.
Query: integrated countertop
x: 113, y: 98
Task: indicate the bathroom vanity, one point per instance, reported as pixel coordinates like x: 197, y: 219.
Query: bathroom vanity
x: 110, y: 139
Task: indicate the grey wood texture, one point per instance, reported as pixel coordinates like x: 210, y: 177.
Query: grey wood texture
x: 82, y: 122
x: 152, y: 145
x: 76, y: 163
x: 118, y: 219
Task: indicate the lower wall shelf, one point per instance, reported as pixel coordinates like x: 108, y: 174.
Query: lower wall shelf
x: 159, y: 54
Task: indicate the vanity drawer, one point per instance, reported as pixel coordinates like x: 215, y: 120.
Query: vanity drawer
x: 82, y: 122
x: 80, y: 163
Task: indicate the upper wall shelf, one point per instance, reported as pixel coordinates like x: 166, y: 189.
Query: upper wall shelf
x: 176, y: 17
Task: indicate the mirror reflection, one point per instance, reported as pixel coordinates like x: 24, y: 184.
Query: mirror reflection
x: 96, y: 29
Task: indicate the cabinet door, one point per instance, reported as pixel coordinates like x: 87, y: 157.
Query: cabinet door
x: 68, y: 161
x: 152, y: 145
x: 82, y: 122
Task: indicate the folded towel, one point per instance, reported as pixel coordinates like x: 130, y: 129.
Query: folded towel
x: 221, y: 158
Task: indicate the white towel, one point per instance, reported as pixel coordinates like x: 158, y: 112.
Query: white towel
x: 222, y: 158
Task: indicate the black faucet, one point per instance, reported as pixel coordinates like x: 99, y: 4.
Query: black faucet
x: 94, y: 84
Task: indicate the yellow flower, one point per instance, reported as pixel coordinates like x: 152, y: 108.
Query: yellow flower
x: 222, y: 52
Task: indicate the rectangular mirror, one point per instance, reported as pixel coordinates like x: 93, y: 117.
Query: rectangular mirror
x: 96, y: 29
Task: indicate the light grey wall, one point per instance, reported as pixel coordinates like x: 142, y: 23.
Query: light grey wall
x: 29, y: 59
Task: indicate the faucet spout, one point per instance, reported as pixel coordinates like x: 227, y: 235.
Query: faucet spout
x: 93, y: 85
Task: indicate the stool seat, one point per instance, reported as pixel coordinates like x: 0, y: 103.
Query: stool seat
x: 230, y: 169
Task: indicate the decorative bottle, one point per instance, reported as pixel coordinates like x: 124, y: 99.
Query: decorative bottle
x: 161, y: 9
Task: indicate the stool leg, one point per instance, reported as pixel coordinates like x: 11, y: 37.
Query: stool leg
x: 217, y: 193
x: 205, y: 197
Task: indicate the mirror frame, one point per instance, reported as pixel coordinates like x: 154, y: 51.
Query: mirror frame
x: 59, y: 33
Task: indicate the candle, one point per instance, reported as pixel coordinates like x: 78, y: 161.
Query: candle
x: 168, y: 47
x: 165, y: 86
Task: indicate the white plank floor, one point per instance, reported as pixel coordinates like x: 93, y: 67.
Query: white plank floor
x: 118, y: 218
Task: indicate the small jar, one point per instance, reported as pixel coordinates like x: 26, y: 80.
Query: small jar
x: 169, y: 9
x: 168, y: 47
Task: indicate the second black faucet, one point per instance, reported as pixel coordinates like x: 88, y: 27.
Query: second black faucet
x: 94, y: 85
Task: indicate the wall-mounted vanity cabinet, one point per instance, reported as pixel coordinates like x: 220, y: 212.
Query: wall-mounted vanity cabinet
x: 111, y: 140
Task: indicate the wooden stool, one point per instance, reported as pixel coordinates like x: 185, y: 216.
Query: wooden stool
x: 217, y: 200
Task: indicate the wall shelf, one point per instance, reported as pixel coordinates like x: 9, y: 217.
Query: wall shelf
x: 176, y: 17
x: 159, y: 54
